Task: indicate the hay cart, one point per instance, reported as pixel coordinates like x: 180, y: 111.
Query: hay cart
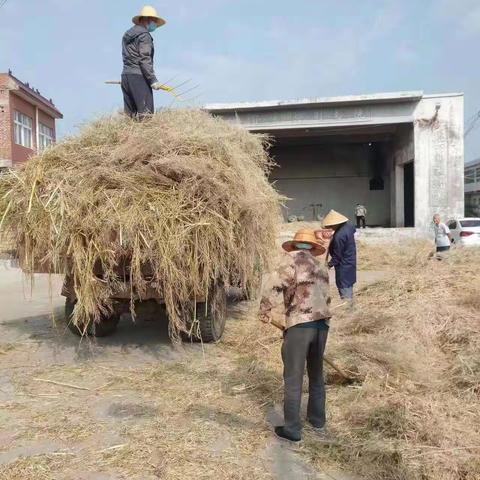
x: 186, y: 193
x: 209, y: 313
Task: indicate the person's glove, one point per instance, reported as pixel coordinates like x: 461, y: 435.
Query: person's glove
x: 161, y: 86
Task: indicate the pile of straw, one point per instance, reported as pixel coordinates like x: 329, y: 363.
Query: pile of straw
x: 414, y: 346
x: 182, y: 195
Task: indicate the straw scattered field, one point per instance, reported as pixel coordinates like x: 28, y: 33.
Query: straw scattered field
x: 412, y: 413
x: 186, y: 197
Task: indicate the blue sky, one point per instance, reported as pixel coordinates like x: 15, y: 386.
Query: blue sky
x: 241, y: 50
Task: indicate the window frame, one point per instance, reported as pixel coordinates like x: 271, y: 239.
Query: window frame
x: 452, y: 224
x: 23, y: 129
x: 45, y: 136
x: 476, y: 224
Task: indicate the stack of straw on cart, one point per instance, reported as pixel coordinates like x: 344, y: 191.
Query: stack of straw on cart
x: 182, y: 194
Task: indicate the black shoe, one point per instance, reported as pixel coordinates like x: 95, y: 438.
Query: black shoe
x: 280, y: 433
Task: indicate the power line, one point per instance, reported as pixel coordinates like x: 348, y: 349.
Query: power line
x: 3, y: 2
x: 472, y: 124
x: 472, y: 129
x: 469, y: 119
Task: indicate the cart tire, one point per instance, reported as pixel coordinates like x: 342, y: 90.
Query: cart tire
x: 102, y: 329
x: 211, y: 317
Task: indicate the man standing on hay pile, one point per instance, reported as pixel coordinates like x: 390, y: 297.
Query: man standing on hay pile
x: 300, y: 284
x: 343, y: 253
x: 138, y: 76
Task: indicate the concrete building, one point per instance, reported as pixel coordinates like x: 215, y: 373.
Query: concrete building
x: 27, y: 121
x: 472, y: 189
x: 399, y: 154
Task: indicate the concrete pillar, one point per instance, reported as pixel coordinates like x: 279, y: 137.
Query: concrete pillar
x: 402, y: 153
x: 399, y: 213
x: 6, y: 133
x: 37, y: 131
x: 439, y: 163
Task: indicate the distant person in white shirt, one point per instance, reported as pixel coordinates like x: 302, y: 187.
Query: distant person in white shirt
x: 360, y: 213
x: 443, y: 238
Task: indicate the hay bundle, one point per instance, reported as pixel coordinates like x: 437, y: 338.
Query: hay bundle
x: 181, y: 195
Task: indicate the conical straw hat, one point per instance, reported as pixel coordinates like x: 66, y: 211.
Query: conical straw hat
x: 334, y: 218
x: 148, y: 11
x: 305, y: 236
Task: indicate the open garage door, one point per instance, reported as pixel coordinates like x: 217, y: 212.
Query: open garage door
x: 324, y: 169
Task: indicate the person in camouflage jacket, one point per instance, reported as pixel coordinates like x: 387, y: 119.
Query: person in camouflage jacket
x: 300, y: 289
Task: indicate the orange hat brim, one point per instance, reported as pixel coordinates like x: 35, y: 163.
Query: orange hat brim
x: 317, y: 250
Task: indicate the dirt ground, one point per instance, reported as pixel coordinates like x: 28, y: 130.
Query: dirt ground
x: 131, y: 405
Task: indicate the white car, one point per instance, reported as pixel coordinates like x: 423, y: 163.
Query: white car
x: 465, y: 231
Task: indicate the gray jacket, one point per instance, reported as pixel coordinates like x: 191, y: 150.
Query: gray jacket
x: 137, y: 53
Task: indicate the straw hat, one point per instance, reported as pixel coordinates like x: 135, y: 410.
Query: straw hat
x: 334, y: 218
x: 305, y: 236
x: 150, y: 12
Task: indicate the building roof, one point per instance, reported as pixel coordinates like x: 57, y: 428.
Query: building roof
x: 318, y: 101
x: 375, y: 98
x: 33, y: 96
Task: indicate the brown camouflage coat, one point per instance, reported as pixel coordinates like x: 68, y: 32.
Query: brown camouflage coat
x: 299, y: 287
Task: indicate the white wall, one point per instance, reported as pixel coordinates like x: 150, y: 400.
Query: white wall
x: 335, y: 175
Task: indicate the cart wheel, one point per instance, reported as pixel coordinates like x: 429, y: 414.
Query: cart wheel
x: 105, y: 327
x: 211, y: 317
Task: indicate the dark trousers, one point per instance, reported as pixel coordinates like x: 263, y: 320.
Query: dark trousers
x: 443, y: 249
x: 361, y: 220
x: 302, y: 345
x: 137, y: 95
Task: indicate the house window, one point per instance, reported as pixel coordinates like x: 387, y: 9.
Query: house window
x: 470, y: 175
x: 45, y: 137
x: 452, y: 225
x: 23, y: 130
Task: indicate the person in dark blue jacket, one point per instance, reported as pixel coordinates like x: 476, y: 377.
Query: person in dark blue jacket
x: 138, y: 75
x: 342, y: 252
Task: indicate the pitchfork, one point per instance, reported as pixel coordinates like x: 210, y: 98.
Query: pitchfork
x: 175, y: 90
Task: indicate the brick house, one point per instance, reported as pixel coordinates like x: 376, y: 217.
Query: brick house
x: 27, y: 121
